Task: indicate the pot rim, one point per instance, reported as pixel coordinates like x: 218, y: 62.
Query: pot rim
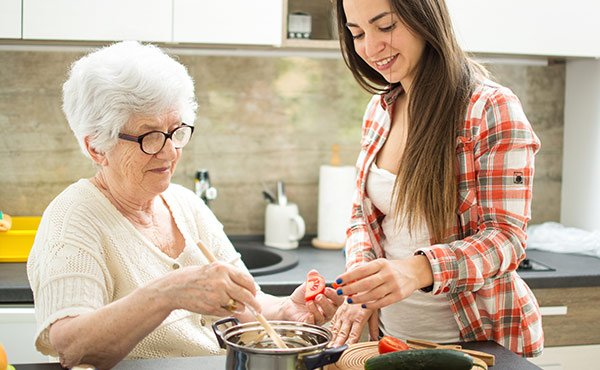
x: 315, y: 329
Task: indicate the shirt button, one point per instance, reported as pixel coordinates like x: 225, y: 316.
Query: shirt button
x: 176, y: 266
x: 446, y: 289
x: 203, y: 321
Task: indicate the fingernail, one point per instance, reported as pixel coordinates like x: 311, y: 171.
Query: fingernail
x: 349, y: 300
x: 364, y: 306
x: 338, y: 281
x: 339, y: 292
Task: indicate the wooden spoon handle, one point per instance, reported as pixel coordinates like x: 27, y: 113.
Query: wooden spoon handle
x: 259, y: 317
x: 272, y: 333
x: 421, y: 344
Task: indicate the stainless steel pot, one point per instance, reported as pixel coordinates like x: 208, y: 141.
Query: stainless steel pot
x: 250, y: 348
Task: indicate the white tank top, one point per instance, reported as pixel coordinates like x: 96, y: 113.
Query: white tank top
x: 421, y: 315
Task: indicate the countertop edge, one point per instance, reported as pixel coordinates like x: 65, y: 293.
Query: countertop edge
x: 571, y: 271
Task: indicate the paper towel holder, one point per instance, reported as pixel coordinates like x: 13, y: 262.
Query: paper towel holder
x: 316, y: 242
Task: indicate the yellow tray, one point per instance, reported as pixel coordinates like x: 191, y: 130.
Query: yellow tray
x: 16, y: 243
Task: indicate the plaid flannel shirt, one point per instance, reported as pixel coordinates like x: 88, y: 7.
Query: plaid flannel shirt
x: 495, y: 151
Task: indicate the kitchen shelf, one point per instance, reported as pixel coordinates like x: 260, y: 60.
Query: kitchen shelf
x: 311, y: 44
x: 323, y: 33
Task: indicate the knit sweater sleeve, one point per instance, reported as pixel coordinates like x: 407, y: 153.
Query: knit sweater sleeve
x: 66, y: 270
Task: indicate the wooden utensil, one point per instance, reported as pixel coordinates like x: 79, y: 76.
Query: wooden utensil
x: 489, y: 359
x: 259, y: 317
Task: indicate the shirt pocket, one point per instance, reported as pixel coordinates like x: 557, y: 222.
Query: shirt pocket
x: 466, y: 166
x: 467, y: 212
x: 466, y: 207
x: 466, y: 200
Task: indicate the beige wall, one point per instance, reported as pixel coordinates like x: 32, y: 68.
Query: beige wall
x: 259, y: 118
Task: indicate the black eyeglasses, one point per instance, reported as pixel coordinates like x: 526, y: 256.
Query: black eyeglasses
x: 152, y: 142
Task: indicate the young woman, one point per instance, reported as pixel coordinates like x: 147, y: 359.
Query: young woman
x: 444, y: 187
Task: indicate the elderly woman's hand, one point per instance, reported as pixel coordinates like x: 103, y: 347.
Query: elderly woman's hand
x: 317, y: 311
x: 209, y: 289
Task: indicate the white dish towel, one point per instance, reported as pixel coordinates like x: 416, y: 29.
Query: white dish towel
x: 555, y: 237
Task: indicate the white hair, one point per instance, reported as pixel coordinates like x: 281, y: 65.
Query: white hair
x: 106, y: 88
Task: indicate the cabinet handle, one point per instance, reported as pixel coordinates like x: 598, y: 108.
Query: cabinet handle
x: 553, y: 310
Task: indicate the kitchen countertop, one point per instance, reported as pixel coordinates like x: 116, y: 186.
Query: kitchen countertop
x: 505, y: 360
x: 570, y: 270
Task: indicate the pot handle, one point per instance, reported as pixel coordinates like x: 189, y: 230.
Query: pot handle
x: 326, y: 357
x: 218, y: 331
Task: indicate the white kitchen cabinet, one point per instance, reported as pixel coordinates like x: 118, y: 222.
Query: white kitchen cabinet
x: 17, y: 330
x: 10, y: 19
x: 531, y: 27
x: 146, y: 20
x: 240, y: 22
x: 514, y: 27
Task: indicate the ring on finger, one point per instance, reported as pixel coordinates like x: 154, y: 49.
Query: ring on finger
x: 231, y: 305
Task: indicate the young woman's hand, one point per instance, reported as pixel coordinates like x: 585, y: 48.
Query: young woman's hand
x: 349, y: 321
x: 382, y: 282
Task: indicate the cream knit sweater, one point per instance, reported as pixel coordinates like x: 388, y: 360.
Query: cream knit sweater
x: 86, y: 254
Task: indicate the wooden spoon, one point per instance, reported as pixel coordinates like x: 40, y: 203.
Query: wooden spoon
x: 259, y: 317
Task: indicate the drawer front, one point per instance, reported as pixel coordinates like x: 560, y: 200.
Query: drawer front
x: 570, y: 316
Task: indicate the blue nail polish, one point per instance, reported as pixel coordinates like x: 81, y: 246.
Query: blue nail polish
x: 349, y: 300
x: 338, y: 281
x: 364, y: 306
x: 339, y: 292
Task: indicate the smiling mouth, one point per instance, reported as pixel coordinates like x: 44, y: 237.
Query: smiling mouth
x: 385, y: 61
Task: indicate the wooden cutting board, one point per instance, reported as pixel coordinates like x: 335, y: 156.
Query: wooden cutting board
x: 357, y: 354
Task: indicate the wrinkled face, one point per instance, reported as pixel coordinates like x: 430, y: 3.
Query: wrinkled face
x: 383, y: 41
x: 139, y: 174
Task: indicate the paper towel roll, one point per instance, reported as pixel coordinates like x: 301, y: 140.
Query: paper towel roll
x: 336, y: 187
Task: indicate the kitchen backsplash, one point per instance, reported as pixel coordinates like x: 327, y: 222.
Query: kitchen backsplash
x: 259, y: 119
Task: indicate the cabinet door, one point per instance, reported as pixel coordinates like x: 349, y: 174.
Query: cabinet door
x: 17, y: 330
x: 570, y: 316
x: 10, y: 19
x: 146, y: 20
x: 228, y: 22
x: 532, y: 27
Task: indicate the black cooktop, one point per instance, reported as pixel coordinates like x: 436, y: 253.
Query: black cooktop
x: 531, y: 265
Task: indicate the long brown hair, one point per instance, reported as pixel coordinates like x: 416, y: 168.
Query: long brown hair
x: 425, y: 186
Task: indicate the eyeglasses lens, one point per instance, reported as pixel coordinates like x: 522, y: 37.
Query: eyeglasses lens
x: 154, y: 141
x: 181, y: 136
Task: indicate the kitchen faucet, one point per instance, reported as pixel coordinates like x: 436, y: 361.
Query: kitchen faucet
x: 203, y: 188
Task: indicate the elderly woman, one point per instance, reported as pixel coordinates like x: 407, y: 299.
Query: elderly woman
x: 115, y: 268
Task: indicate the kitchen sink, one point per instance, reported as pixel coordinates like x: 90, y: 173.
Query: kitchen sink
x: 262, y: 260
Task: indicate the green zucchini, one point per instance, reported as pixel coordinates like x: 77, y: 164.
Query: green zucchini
x: 421, y: 359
